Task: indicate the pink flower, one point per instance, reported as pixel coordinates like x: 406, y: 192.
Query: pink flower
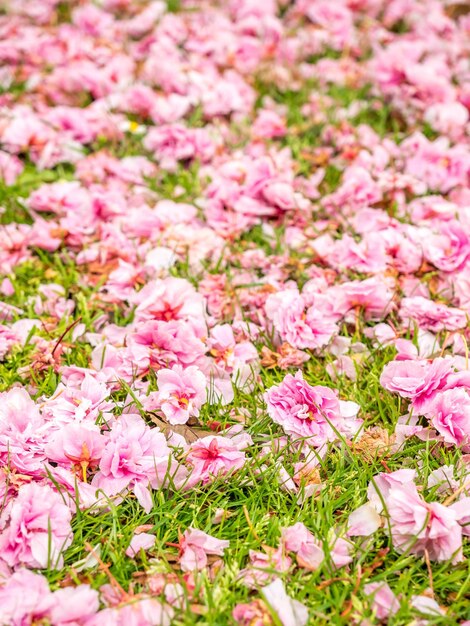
x: 280, y: 194
x: 35, y: 528
x: 381, y: 485
x: 445, y: 478
x: 59, y: 198
x: 6, y: 287
x: 448, y: 250
x: 418, y: 526
x: 441, y: 167
x: 181, y: 393
x: 73, y: 605
x: 449, y: 413
x: 264, y: 566
x: 212, y: 457
x: 299, y: 539
x: 310, y: 412
x: 140, y: 541
x: 171, y: 143
x: 195, y: 545
x: 416, y: 380
x: 368, y: 256
x: 256, y: 613
x: 300, y: 328
x: 340, y: 551
x: 364, y: 521
x: 268, y: 125
x: 81, y: 403
x: 22, y: 432
x: 384, y: 603
x: 168, y: 343
x: 135, y: 457
x: 373, y: 297
x: 288, y: 611
x: 358, y: 190
x: 10, y: 167
x: 427, y: 606
x: 170, y: 299
x: 290, y: 357
x: 431, y: 315
x: 138, y: 612
x: 74, y: 491
x: 462, y: 510
x: 25, y: 598
x: 449, y: 118
x: 227, y: 353
x: 79, y: 445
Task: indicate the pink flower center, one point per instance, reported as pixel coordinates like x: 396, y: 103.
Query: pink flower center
x: 182, y: 400
x: 167, y: 313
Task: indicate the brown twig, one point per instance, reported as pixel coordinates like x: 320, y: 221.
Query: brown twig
x: 79, y: 319
x: 327, y: 583
x: 428, y: 565
x: 104, y: 567
x: 456, y: 494
x: 385, y: 466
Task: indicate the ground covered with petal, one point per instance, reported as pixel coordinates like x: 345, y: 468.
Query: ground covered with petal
x: 235, y: 294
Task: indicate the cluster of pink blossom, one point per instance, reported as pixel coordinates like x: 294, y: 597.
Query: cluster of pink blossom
x: 416, y: 526
x: 218, y: 231
x: 437, y: 390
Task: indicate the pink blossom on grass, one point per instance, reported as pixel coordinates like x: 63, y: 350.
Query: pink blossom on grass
x: 169, y: 299
x: 299, y: 539
x: 212, y: 457
x: 35, y: 528
x: 195, y: 546
x: 418, y: 527
x: 339, y: 551
x: 140, y: 541
x: 311, y: 412
x: 384, y: 603
x: 227, y: 353
x: 76, y: 445
x: 74, y: 605
x: 164, y: 344
x: 268, y: 124
x: 263, y: 566
x: 289, y: 612
x: 81, y: 403
x: 25, y: 598
x: 181, y: 393
x: 22, y: 432
x: 255, y: 613
x: 449, y: 413
x: 10, y: 167
x: 416, y: 380
x: 135, y: 458
x: 426, y: 605
x: 462, y: 510
x: 363, y: 521
x: 301, y: 329
x: 139, y: 612
x: 381, y: 485
x: 430, y: 315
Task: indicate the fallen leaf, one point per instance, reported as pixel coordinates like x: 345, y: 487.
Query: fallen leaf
x: 190, y: 433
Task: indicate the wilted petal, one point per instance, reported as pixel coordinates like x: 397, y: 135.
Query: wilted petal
x: 290, y: 612
x: 364, y: 521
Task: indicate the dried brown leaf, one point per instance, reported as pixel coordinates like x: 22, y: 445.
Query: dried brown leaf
x: 190, y: 433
